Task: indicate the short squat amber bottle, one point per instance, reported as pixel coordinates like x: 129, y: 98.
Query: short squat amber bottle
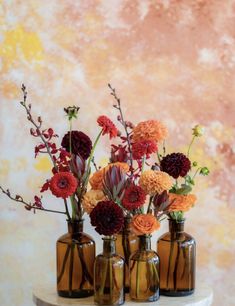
x: 109, y: 273
x: 177, y: 252
x: 126, y: 244
x: 144, y: 272
x: 75, y: 261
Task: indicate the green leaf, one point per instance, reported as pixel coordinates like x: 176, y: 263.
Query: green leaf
x: 185, y: 189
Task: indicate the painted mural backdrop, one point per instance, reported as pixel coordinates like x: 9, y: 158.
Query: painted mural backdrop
x: 170, y: 60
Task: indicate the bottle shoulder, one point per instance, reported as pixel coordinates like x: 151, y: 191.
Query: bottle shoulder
x: 183, y: 237
x: 144, y: 255
x: 80, y: 238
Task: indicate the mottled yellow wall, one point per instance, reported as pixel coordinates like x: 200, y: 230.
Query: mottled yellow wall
x: 169, y: 59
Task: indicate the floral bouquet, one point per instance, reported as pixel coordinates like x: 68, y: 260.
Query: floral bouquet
x: 141, y: 182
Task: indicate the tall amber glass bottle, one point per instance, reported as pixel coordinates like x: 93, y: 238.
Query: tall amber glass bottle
x: 75, y: 261
x: 126, y: 244
x: 177, y: 252
x: 144, y: 272
x: 109, y: 275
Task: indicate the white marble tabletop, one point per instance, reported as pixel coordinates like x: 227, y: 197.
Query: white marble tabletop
x: 47, y: 296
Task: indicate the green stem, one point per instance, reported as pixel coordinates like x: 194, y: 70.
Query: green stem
x: 71, y: 269
x: 149, y: 206
x: 198, y: 169
x: 73, y: 207
x: 64, y: 264
x: 70, y: 136
x: 111, y: 279
x: 169, y: 263
x: 66, y: 209
x: 176, y: 267
x: 93, y: 150
x: 143, y: 163
x: 190, y: 145
x: 103, y: 278
x: 137, y: 280
x: 159, y: 158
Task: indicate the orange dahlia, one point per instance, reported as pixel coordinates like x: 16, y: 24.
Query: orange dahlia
x: 96, y: 180
x: 91, y: 198
x: 181, y: 202
x: 150, y: 130
x: 108, y: 127
x: 144, y: 224
x: 155, y: 182
x: 63, y: 184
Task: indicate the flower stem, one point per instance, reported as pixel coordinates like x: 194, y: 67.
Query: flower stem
x: 111, y: 279
x: 70, y: 136
x: 169, y: 263
x: 143, y: 163
x: 71, y: 269
x: 190, y: 145
x: 93, y: 150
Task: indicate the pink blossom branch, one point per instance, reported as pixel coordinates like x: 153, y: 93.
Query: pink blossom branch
x: 27, y: 205
x: 39, y: 133
x: 123, y: 122
x: 37, y: 126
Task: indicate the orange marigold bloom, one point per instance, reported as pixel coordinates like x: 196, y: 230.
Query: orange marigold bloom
x: 96, y: 180
x: 149, y: 130
x: 181, y: 202
x: 155, y: 182
x: 144, y: 224
x: 91, y: 199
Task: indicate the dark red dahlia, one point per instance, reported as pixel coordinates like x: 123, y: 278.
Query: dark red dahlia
x: 80, y: 143
x: 145, y: 147
x: 63, y: 184
x: 134, y: 197
x: 176, y: 164
x: 107, y: 217
x: 108, y: 127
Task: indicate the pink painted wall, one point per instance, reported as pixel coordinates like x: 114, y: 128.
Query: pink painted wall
x: 170, y: 60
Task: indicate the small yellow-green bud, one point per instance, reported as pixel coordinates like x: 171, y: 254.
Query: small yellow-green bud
x: 198, y: 130
x: 194, y: 164
x: 204, y: 171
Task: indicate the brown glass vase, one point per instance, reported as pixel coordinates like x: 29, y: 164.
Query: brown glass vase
x: 109, y: 274
x: 75, y: 261
x: 177, y: 252
x: 144, y: 272
x: 126, y: 244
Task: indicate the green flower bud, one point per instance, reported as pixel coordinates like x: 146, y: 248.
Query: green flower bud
x: 194, y: 164
x: 198, y: 130
x: 204, y: 171
x: 72, y: 112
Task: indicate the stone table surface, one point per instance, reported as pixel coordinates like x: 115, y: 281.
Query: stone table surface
x: 47, y: 296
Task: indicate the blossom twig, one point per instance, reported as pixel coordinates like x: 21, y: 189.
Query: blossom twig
x: 27, y: 205
x: 37, y: 126
x: 123, y: 122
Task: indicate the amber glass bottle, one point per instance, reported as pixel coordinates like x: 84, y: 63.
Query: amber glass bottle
x: 177, y: 253
x: 126, y: 244
x: 75, y: 261
x: 109, y: 275
x: 144, y: 272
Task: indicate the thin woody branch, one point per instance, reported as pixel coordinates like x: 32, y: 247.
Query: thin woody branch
x: 123, y: 122
x: 37, y: 126
x: 27, y: 205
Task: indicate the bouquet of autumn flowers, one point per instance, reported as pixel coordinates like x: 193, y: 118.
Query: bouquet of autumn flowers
x: 139, y: 173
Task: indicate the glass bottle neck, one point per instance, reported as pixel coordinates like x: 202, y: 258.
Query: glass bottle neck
x: 145, y: 242
x: 109, y: 246
x: 176, y: 227
x: 75, y: 226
